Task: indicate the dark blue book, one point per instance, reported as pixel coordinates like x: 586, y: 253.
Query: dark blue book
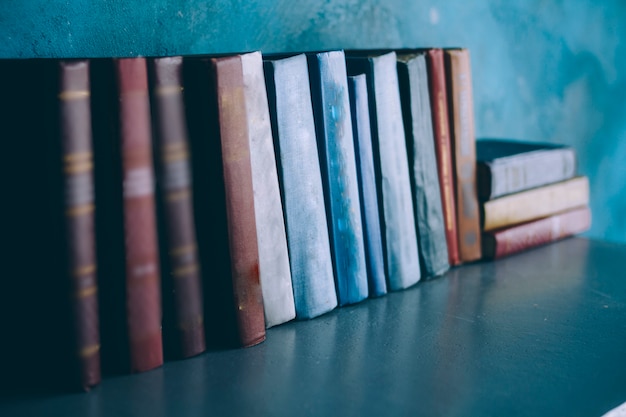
x: 291, y: 115
x: 367, y: 185
x: 391, y: 166
x: 431, y: 231
x: 331, y: 110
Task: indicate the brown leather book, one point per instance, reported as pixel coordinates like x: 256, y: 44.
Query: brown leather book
x: 78, y: 184
x: 239, y: 193
x: 443, y: 149
x: 463, y: 139
x: 183, y: 319
x: 514, y: 239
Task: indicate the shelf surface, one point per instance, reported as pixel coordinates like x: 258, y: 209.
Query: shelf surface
x: 539, y: 333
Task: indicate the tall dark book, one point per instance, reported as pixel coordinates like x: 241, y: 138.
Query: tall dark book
x: 391, y: 165
x: 357, y: 87
x: 183, y: 312
x: 331, y: 109
x: 126, y: 220
x: 443, y: 149
x: 49, y: 321
x: 431, y: 230
x: 461, y: 108
x: 507, y: 166
x: 278, y: 302
x: 293, y: 127
x: 224, y: 194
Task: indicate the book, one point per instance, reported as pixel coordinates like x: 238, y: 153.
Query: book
x: 392, y: 170
x: 279, y: 305
x: 463, y: 138
x: 375, y: 263
x: 506, y: 166
x: 503, y: 242
x: 183, y: 315
x: 331, y: 111
x: 431, y: 230
x: 535, y: 203
x: 291, y: 114
x: 443, y: 148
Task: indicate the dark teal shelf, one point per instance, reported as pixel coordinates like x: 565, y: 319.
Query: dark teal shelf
x: 541, y: 333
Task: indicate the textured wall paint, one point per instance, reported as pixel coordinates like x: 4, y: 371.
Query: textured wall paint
x: 545, y: 70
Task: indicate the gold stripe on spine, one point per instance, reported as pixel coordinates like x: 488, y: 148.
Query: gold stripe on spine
x: 175, y: 152
x: 182, y: 250
x: 86, y: 292
x: 80, y: 210
x: 78, y: 167
x: 77, y: 156
x: 178, y: 195
x: 84, y: 270
x: 168, y: 90
x: 74, y: 95
x: 185, y: 270
x: 88, y: 351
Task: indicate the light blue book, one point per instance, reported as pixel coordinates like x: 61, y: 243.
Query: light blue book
x: 392, y: 168
x: 331, y: 108
x: 300, y: 179
x: 367, y: 185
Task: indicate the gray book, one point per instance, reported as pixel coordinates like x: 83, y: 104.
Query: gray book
x: 392, y: 168
x: 431, y: 231
x: 274, y: 269
x: 301, y: 186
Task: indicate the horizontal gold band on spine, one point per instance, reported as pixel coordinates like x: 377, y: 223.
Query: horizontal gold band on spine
x: 86, y: 292
x: 168, y: 90
x: 78, y: 167
x: 193, y: 323
x: 185, y: 270
x: 77, y: 156
x: 178, y: 195
x: 74, y: 95
x: 175, y: 156
x: 89, y: 351
x: 80, y: 210
x: 181, y: 250
x: 84, y: 270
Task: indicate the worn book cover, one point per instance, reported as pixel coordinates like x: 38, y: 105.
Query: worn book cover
x: 293, y: 127
x: 431, y: 230
x: 507, y: 166
x: 331, y: 109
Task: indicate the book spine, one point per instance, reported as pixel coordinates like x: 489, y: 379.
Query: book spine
x: 272, y: 239
x: 375, y: 264
x: 239, y: 194
x: 183, y: 279
x: 443, y: 152
x: 515, y: 239
x: 536, y: 203
x: 301, y: 186
x: 431, y: 231
x: 400, y: 238
x: 511, y: 175
x: 459, y: 78
x: 143, y: 295
x: 76, y: 142
x: 331, y: 110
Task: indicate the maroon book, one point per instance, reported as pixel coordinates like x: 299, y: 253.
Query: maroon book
x: 514, y: 239
x: 78, y: 183
x: 239, y: 198
x: 443, y: 150
x: 182, y: 298
x: 143, y: 295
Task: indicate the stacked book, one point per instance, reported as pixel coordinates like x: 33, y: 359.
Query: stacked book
x: 173, y: 205
x: 530, y: 195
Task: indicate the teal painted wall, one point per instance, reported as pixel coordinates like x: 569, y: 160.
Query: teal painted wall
x: 543, y: 70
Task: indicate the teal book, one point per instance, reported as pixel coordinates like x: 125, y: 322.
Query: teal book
x: 431, y: 231
x: 392, y: 167
x: 293, y: 127
x: 331, y: 110
x: 362, y: 135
